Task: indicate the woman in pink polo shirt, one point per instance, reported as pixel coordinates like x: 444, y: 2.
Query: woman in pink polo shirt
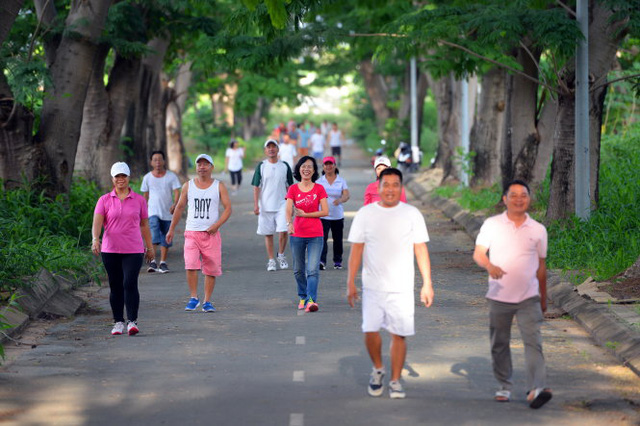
x: 371, y: 192
x: 307, y: 202
x: 125, y: 218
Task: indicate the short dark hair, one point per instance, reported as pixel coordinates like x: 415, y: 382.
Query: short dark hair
x: 232, y: 142
x: 390, y: 171
x: 164, y: 157
x: 296, y: 171
x: 515, y: 182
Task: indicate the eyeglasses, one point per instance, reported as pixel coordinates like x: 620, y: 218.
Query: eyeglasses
x: 306, y: 167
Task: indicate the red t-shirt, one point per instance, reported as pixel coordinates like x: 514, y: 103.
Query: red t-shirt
x: 371, y: 194
x: 308, y: 202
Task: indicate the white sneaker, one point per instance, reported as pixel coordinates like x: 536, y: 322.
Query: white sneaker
x: 271, y: 266
x: 283, y: 261
x: 132, y: 328
x: 118, y: 328
x: 396, y: 391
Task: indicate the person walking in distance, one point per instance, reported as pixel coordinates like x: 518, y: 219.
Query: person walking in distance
x: 303, y: 140
x: 338, y: 193
x: 233, y: 164
x: 202, y: 196
x: 371, y: 191
x: 270, y: 181
x: 317, y: 142
x: 161, y: 188
x: 517, y: 247
x: 387, y: 235
x: 287, y: 151
x: 306, y: 204
x: 125, y: 219
x: 335, y: 139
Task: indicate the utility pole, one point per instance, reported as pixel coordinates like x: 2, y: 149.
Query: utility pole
x: 414, y: 111
x: 464, y: 130
x: 581, y: 147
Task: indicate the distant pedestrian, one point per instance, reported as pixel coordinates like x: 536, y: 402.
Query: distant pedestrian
x: 387, y: 235
x: 233, y: 164
x: 306, y: 204
x: 125, y: 218
x: 288, y: 151
x: 161, y: 188
x: 371, y: 191
x: 335, y: 138
x: 202, y: 196
x: 271, y: 180
x: 317, y: 144
x: 338, y: 194
x: 303, y: 140
x: 516, y: 264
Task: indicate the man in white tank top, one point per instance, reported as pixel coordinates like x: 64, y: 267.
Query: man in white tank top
x: 202, y: 244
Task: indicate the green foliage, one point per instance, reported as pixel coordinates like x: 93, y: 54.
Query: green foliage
x: 37, y: 232
x: 10, y: 303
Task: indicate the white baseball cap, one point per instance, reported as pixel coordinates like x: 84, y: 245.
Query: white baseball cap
x: 120, y: 168
x: 206, y: 157
x: 273, y: 141
x: 381, y: 160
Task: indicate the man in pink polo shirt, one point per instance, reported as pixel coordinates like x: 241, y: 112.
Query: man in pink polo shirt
x: 517, y: 247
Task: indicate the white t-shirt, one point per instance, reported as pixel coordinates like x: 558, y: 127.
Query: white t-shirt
x: 317, y: 143
x: 334, y: 191
x: 235, y: 158
x: 273, y: 179
x: 517, y: 251
x: 203, y: 206
x: 287, y: 152
x: 160, y: 191
x: 335, y: 138
x: 388, y: 235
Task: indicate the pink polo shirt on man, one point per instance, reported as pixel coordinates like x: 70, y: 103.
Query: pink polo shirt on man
x: 517, y: 251
x: 122, y: 222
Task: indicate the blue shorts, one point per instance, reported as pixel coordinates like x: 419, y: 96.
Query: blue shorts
x: 159, y: 229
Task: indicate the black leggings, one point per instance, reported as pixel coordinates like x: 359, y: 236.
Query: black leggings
x: 236, y: 177
x: 123, y: 271
x: 337, y: 228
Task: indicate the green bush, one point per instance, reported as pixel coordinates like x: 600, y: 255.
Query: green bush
x: 37, y: 232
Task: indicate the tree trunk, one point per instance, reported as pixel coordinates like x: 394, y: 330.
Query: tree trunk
x: 447, y: 94
x: 8, y: 12
x: 378, y: 93
x: 61, y: 117
x: 254, y: 124
x: 404, y: 112
x: 104, y: 116
x: 604, y: 38
x: 487, y: 134
x: 176, y: 158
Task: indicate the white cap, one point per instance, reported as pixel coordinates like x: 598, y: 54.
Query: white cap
x: 381, y: 160
x: 206, y: 157
x: 120, y: 168
x: 272, y: 141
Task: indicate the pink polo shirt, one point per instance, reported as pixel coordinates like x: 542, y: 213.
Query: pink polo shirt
x: 122, y: 222
x: 517, y: 251
x: 371, y: 194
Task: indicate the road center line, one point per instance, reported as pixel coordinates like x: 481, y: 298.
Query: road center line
x: 298, y: 376
x: 300, y: 340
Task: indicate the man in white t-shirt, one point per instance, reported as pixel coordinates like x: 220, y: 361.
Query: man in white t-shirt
x: 387, y: 235
x: 317, y: 141
x: 161, y: 188
x: 287, y: 151
x: 517, y: 247
x: 271, y: 180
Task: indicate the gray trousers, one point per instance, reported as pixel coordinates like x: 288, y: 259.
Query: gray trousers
x: 529, y: 316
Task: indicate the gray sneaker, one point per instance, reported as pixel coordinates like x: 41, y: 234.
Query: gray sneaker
x: 163, y: 268
x: 153, y: 267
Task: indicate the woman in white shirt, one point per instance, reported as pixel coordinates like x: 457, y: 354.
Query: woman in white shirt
x: 233, y: 164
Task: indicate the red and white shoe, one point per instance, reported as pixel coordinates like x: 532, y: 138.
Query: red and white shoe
x: 132, y: 328
x: 118, y: 328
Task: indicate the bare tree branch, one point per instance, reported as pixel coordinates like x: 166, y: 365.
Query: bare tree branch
x: 567, y: 8
x: 606, y: 83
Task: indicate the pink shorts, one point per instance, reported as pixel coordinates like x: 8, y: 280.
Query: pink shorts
x: 202, y: 245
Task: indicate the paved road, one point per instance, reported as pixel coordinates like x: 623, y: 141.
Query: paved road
x: 257, y: 361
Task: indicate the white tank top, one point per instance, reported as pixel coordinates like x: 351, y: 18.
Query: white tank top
x: 203, y: 206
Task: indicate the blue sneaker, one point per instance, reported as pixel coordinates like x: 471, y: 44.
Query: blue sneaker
x: 193, y: 304
x: 208, y: 307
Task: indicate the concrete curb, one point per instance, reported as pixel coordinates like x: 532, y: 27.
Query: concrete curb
x: 603, y: 325
x: 47, y: 295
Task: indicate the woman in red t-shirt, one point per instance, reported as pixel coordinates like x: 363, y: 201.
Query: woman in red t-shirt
x: 306, y: 204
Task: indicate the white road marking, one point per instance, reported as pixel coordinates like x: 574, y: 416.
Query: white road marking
x: 298, y: 376
x: 300, y: 340
x: 296, y: 419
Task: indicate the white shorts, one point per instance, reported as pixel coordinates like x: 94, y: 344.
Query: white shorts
x: 271, y: 222
x: 391, y: 311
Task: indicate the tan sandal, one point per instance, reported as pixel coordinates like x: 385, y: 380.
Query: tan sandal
x: 503, y: 395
